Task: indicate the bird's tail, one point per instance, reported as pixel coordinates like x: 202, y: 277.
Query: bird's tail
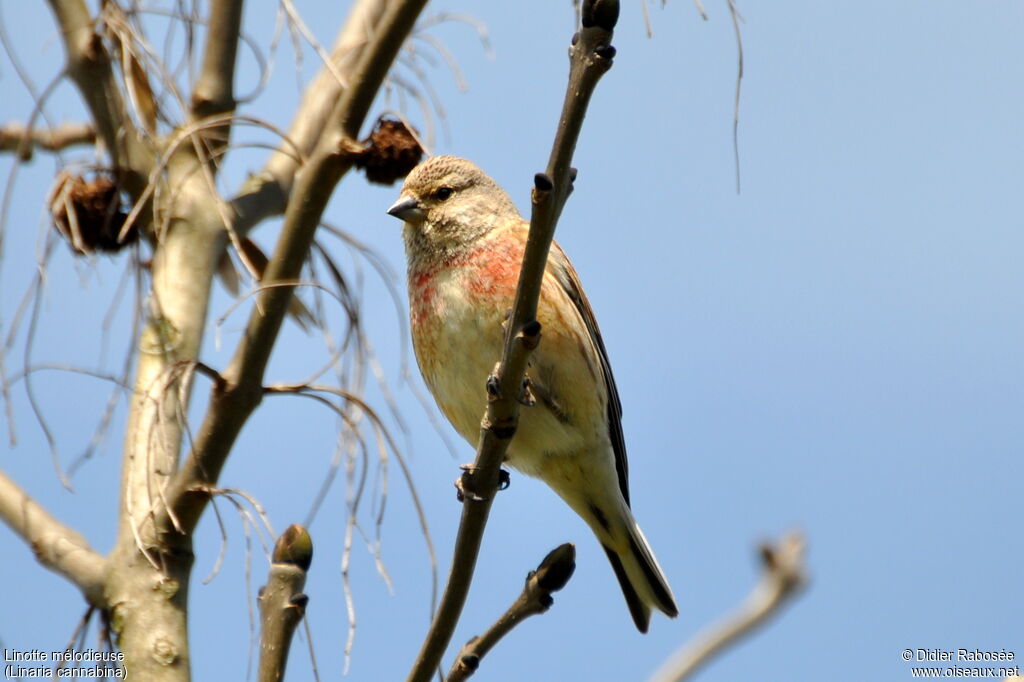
x: 642, y: 581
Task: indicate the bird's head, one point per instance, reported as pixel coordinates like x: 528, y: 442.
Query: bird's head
x: 448, y: 202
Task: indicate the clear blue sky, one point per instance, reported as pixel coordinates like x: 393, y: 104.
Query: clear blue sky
x: 836, y: 349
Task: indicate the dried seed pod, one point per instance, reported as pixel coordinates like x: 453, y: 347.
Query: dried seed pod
x: 392, y: 151
x: 89, y: 213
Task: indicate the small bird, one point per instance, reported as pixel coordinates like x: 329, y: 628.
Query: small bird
x: 464, y: 242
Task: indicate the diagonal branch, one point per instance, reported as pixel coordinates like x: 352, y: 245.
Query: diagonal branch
x: 266, y: 193
x: 236, y: 398
x: 782, y: 579
x: 551, y: 575
x: 56, y: 546
x: 590, y: 58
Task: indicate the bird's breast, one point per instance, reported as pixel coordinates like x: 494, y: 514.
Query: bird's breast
x: 457, y: 314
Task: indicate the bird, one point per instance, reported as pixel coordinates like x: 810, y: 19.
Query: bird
x: 464, y: 242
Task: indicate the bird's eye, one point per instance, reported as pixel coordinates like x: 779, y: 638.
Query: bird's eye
x: 443, y: 193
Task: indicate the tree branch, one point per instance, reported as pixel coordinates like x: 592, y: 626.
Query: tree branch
x: 590, y: 57
x: 14, y: 137
x: 56, y: 546
x: 214, y: 94
x: 282, y: 603
x: 266, y: 193
x: 233, y: 402
x: 89, y: 66
x: 551, y: 575
x: 782, y: 578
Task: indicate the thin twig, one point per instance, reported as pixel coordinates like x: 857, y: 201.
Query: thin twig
x: 782, y: 578
x: 590, y: 58
x: 736, y: 19
x: 551, y: 575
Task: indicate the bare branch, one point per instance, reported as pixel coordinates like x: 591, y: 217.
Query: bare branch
x: 266, y: 194
x: 214, y: 93
x: 782, y: 578
x: 14, y: 137
x: 590, y: 58
x: 551, y: 575
x: 232, y: 404
x: 282, y: 603
x: 56, y: 546
x: 90, y: 67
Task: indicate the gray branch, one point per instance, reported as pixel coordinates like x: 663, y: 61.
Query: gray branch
x: 590, y: 58
x: 782, y: 578
x: 56, y: 546
x: 551, y: 575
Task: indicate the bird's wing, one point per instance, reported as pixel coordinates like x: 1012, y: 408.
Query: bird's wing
x: 570, y: 283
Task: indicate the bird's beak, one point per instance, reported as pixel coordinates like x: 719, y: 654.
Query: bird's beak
x: 407, y: 209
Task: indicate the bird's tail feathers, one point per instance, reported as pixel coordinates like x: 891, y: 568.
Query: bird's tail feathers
x: 643, y: 583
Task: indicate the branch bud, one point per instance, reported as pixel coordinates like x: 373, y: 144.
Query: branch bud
x: 295, y: 546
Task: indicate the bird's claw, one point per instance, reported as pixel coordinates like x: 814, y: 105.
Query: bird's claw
x: 493, y: 384
x: 526, y: 397
x: 461, y: 494
x: 462, y: 483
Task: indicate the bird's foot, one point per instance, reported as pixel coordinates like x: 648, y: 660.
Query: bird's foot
x: 464, y: 483
x: 493, y: 384
x: 526, y: 397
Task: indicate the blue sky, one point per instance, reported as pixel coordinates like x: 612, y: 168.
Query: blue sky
x: 836, y: 349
